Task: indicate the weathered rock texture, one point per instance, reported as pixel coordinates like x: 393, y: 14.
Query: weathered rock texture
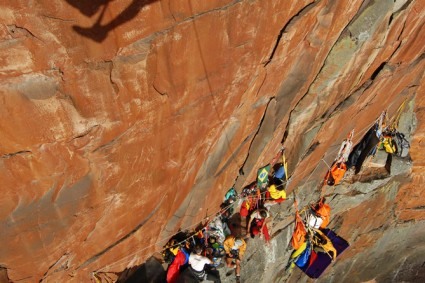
x: 123, y: 121
x: 385, y: 245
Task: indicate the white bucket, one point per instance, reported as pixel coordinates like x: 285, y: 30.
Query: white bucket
x: 314, y: 221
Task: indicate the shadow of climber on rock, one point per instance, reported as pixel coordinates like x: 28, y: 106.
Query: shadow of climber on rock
x: 99, y: 31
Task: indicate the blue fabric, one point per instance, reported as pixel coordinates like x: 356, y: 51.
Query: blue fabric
x: 302, y: 259
x: 280, y: 173
x: 186, y: 254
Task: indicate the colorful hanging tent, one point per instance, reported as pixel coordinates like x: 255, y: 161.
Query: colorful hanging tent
x: 319, y: 261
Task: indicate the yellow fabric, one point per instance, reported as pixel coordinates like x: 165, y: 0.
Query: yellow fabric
x: 174, y: 250
x: 297, y: 253
x: 230, y: 242
x: 328, y: 246
x: 247, y: 206
x: 388, y: 145
x: 394, y: 121
x: 285, y: 166
x: 275, y: 194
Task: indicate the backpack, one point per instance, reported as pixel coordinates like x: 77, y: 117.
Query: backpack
x: 338, y: 170
x: 336, y: 173
x: 323, y: 210
x: 280, y: 173
x: 299, y: 234
x: 402, y: 144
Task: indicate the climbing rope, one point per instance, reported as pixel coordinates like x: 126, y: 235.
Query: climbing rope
x: 360, y: 133
x: 221, y: 211
x: 345, y: 149
x: 351, y: 135
x: 393, y: 123
x: 287, y: 181
x: 102, y: 270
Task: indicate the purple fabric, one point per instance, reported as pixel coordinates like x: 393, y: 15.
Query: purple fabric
x: 323, y: 260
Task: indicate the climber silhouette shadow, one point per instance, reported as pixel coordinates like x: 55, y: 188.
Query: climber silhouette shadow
x: 99, y: 31
x: 151, y: 271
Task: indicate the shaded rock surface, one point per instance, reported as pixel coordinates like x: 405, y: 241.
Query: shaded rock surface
x: 123, y: 121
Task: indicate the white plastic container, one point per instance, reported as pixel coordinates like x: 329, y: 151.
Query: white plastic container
x: 314, y: 221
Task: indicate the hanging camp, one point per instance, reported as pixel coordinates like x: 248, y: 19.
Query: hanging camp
x: 366, y: 146
x: 336, y: 173
x: 316, y: 249
x: 393, y: 141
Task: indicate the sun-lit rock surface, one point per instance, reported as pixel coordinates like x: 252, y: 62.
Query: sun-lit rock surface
x: 123, y: 121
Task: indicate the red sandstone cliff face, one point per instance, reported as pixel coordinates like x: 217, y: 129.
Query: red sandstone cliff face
x: 123, y: 121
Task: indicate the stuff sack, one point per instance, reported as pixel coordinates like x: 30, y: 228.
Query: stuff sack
x: 323, y: 210
x: 336, y: 173
x: 245, y: 208
x: 299, y: 234
x: 280, y: 172
x: 248, y: 205
x: 402, y: 144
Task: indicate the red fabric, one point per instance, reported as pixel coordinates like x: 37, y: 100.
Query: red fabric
x: 279, y: 200
x: 268, y: 197
x: 266, y: 233
x: 174, y: 268
x: 244, y: 211
x: 248, y: 205
x: 313, y: 257
x: 259, y: 224
x: 255, y: 230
